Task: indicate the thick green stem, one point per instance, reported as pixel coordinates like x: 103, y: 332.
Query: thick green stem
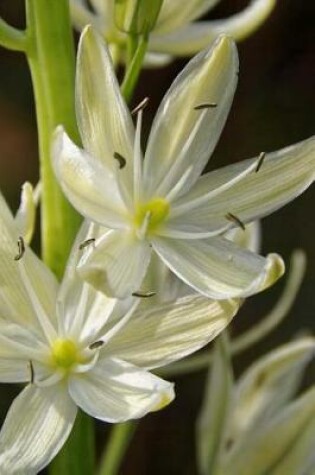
x: 50, y: 53
x: 120, y: 437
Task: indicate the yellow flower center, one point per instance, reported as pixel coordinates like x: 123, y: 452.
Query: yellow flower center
x: 149, y: 216
x: 65, y: 354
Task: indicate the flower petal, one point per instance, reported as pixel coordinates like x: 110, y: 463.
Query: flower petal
x: 268, y: 385
x: 175, y: 13
x: 191, y: 38
x: 88, y: 185
x: 116, y: 391
x: 283, y: 176
x: 167, y: 332
x: 25, y: 215
x: 117, y: 264
x: 36, y: 427
x: 104, y: 120
x: 13, y: 293
x: 183, y: 137
x: 217, y: 268
x: 269, y: 446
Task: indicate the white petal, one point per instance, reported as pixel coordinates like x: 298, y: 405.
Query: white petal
x: 249, y: 239
x: 103, y: 118
x: 117, y: 264
x: 25, y: 216
x: 217, y: 268
x: 165, y: 333
x: 269, y: 445
x: 88, y: 185
x: 268, y: 385
x: 15, y: 303
x: 36, y: 427
x: 214, y: 414
x: 175, y: 13
x: 116, y: 391
x: 182, y: 138
x: 283, y: 176
x: 191, y: 38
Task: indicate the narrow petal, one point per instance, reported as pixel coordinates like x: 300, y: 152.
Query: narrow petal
x: 16, y: 304
x: 25, y: 216
x: 191, y: 38
x: 217, y: 268
x: 269, y: 446
x: 175, y: 13
x: 249, y: 239
x: 116, y: 391
x: 117, y: 264
x: 183, y: 137
x: 165, y: 333
x: 103, y: 117
x: 88, y: 185
x: 283, y: 176
x: 214, y: 415
x: 36, y: 427
x: 268, y: 385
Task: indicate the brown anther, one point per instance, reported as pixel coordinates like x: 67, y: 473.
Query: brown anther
x: 142, y: 105
x: 121, y: 160
x: 260, y: 161
x: 209, y: 105
x: 86, y: 243
x: 21, y: 249
x: 143, y: 295
x: 96, y: 344
x: 236, y: 220
x: 32, y: 372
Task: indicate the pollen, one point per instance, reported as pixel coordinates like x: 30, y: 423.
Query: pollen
x: 65, y: 354
x: 151, y: 215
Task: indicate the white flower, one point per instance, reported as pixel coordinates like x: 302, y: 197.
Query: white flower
x: 256, y: 425
x: 73, y: 346
x: 161, y: 204
x: 176, y: 32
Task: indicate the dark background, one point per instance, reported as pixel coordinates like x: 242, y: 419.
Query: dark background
x: 274, y: 107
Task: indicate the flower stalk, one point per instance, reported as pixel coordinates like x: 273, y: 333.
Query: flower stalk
x: 50, y: 53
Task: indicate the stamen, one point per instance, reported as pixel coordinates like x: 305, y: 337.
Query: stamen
x: 32, y: 372
x: 145, y: 224
x: 143, y: 295
x: 142, y: 105
x: 260, y: 161
x: 96, y: 344
x: 236, y: 220
x: 121, y: 160
x: 21, y: 249
x: 86, y: 243
x: 209, y: 105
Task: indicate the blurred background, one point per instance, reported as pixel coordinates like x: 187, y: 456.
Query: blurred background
x: 274, y: 106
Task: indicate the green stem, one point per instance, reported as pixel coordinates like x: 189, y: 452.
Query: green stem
x: 12, y: 38
x: 116, y: 448
x: 134, y: 69
x: 50, y: 54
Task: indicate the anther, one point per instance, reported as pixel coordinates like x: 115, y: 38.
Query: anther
x: 209, y: 105
x: 236, y: 220
x: 143, y: 295
x: 96, y: 344
x: 260, y: 161
x: 86, y: 243
x: 32, y: 372
x: 142, y: 105
x: 21, y: 249
x: 121, y: 160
